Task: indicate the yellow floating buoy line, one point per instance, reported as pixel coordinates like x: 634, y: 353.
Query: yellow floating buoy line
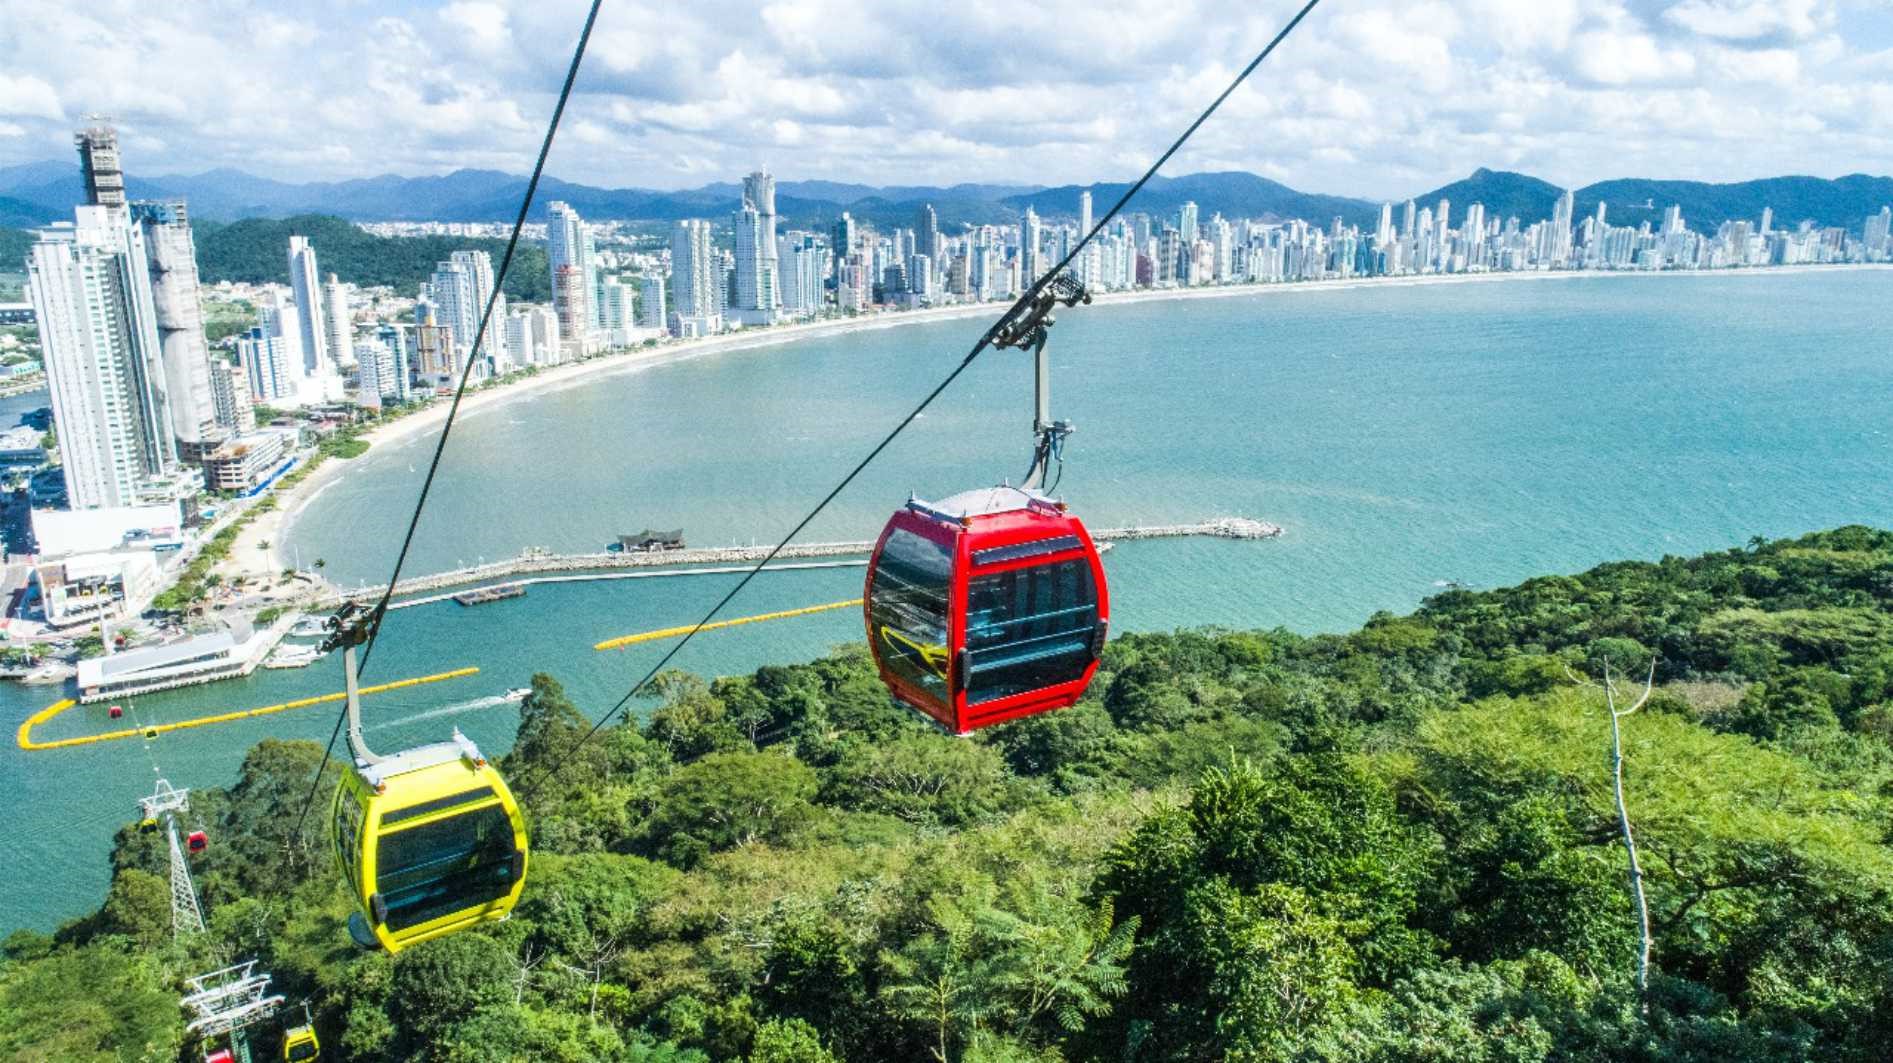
x: 26, y: 741
x: 678, y: 632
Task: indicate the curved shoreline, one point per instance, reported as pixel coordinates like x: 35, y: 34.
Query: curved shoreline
x: 276, y: 526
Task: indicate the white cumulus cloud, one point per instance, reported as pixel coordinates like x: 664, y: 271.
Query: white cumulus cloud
x: 1369, y: 97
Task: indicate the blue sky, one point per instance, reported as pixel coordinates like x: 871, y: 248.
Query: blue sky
x: 1372, y: 98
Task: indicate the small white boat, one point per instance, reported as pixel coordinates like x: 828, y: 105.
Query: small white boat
x: 293, y: 657
x: 518, y: 694
x: 311, y: 627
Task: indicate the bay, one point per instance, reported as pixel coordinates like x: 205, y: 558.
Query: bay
x: 1403, y: 435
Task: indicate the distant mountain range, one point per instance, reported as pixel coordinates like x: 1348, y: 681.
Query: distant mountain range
x: 37, y: 193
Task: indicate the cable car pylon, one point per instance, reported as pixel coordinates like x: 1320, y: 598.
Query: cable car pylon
x: 225, y: 1001
x: 163, y: 806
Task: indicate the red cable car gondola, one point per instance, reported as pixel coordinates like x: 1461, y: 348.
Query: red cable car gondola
x: 991, y: 604
x: 986, y: 606
x: 197, y: 841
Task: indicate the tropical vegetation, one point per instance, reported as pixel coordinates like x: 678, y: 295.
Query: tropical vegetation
x: 1394, y: 844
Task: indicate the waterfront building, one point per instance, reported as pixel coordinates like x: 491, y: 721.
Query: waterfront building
x: 842, y: 243
x: 245, y: 464
x: 187, y: 662
x: 230, y: 391
x: 461, y: 288
x: 541, y: 327
x: 800, y: 257
x: 381, y: 373
x: 616, y: 303
x: 1030, y: 235
x: 266, y: 366
x: 1878, y: 234
x: 338, y: 323
x: 171, y: 264
x: 434, y: 352
x: 695, y: 281
x: 570, y: 251
x: 757, y: 297
x: 303, y: 282
x: 91, y: 293
x: 87, y: 589
x: 927, y: 239
x: 920, y: 277
x: 651, y: 306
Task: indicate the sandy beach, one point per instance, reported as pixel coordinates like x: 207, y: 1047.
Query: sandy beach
x: 248, y: 557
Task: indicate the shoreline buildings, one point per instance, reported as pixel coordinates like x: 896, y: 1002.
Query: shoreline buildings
x: 115, y: 295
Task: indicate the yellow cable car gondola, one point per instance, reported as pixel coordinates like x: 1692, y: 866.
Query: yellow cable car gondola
x: 299, y: 1042
x: 430, y: 840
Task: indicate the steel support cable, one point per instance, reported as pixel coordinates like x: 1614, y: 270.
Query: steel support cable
x: 460, y: 390
x: 985, y: 341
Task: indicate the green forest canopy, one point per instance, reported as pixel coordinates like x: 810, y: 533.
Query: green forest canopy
x: 1394, y: 844
x: 256, y: 251
x: 13, y: 247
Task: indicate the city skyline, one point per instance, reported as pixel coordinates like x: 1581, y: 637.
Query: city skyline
x: 1369, y: 100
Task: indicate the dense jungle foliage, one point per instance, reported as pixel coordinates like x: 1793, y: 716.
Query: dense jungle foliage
x: 1397, y: 844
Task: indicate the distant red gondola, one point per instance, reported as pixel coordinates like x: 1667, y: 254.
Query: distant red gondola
x: 986, y: 606
x: 197, y: 841
x: 115, y: 712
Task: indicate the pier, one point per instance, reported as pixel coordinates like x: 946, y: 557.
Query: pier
x: 542, y: 566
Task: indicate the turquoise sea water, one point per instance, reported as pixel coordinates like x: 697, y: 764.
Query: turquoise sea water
x: 1403, y: 435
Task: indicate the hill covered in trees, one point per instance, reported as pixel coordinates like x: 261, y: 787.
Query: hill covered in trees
x: 1394, y: 844
x: 256, y: 251
x: 1844, y: 202
x: 37, y: 192
x: 14, y: 244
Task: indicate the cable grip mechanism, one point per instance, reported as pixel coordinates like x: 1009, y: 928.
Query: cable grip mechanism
x: 1028, y: 328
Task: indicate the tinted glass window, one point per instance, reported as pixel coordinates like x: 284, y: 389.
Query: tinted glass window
x: 348, y: 824
x: 907, y: 606
x: 303, y: 1050
x: 1029, y: 628
x: 432, y: 870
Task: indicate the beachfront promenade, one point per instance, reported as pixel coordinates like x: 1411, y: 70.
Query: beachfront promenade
x: 540, y: 566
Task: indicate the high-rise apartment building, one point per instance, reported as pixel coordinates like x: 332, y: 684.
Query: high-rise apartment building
x: 758, y: 293
x: 271, y: 354
x: 800, y: 257
x: 574, y: 273
x: 395, y: 338
x: 230, y: 390
x: 651, y: 304
x: 91, y: 295
x: 695, y: 281
x: 304, y: 282
x: 461, y: 288
x: 927, y: 240
x: 842, y: 242
x: 338, y: 323
x: 1030, y: 238
x: 171, y: 261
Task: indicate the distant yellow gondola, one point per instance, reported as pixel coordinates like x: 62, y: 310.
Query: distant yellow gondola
x: 300, y: 1045
x: 299, y: 1042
